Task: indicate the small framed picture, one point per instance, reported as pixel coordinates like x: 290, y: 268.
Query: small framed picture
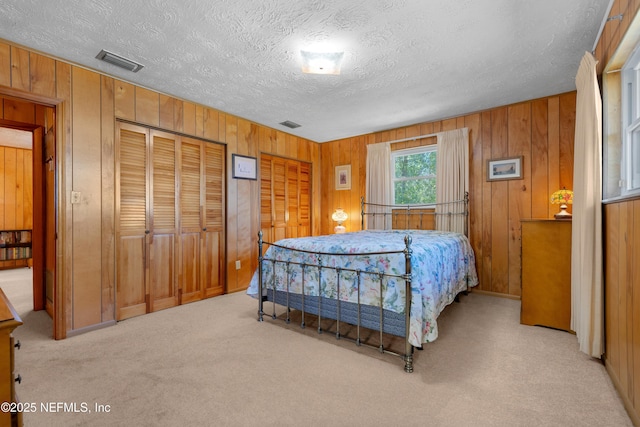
x: 343, y: 177
x: 244, y: 167
x: 509, y: 168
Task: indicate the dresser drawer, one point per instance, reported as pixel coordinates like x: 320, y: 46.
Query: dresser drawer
x: 9, y: 320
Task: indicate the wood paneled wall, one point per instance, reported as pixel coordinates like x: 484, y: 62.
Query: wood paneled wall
x: 614, y: 30
x: 88, y: 104
x: 622, y: 300
x: 621, y: 223
x: 16, y: 188
x: 541, y: 130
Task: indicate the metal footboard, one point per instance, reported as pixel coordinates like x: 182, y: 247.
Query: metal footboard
x: 335, y: 309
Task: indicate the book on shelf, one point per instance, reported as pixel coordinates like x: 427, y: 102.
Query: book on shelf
x: 15, y: 245
x: 13, y: 237
x: 7, y: 237
x: 25, y: 236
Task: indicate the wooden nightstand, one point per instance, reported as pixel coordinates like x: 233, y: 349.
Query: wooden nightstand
x: 546, y: 273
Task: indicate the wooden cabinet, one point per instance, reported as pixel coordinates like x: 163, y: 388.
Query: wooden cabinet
x: 169, y: 220
x: 9, y: 320
x: 546, y: 273
x: 15, y: 248
x: 285, y: 198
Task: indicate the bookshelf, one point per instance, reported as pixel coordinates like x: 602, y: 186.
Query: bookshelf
x: 15, y: 248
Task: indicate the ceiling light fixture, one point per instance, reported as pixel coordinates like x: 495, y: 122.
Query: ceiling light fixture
x: 321, y: 62
x: 119, y: 61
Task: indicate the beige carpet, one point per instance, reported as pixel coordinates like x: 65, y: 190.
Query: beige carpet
x: 210, y: 363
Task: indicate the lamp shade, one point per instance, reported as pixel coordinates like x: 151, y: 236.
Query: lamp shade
x: 562, y: 197
x: 339, y: 216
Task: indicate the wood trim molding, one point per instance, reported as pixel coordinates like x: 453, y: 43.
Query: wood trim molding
x: 9, y: 92
x: 62, y: 135
x: 86, y: 329
x: 18, y: 125
x: 494, y: 294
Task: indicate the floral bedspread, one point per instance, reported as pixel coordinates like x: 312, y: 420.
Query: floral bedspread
x: 440, y: 264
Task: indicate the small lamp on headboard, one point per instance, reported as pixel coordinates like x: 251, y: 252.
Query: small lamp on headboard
x: 563, y: 198
x: 339, y: 216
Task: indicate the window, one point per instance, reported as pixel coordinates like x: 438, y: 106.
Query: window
x: 414, y: 175
x: 630, y: 153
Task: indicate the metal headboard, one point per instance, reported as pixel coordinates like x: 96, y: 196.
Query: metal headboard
x: 448, y: 209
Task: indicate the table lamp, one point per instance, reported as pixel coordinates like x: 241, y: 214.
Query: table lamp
x: 339, y: 216
x: 563, y: 198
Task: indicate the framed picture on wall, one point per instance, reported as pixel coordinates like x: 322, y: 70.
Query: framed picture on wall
x: 244, y: 167
x: 343, y: 177
x: 509, y: 168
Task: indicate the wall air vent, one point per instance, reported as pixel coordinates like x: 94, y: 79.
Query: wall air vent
x: 290, y: 124
x: 119, y: 61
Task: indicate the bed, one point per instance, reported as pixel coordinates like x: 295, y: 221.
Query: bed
x: 394, y: 281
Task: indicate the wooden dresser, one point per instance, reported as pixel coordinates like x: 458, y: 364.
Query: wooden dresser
x: 9, y: 320
x: 546, y: 273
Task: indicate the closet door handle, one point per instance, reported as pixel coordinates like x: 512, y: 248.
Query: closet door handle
x: 204, y: 229
x: 146, y: 231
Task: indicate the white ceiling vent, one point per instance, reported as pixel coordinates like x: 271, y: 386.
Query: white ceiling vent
x: 119, y: 61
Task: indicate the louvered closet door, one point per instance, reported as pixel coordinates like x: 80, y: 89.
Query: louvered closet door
x: 266, y: 195
x: 191, y: 202
x: 304, y: 200
x: 279, y: 198
x: 285, y: 198
x: 214, y: 258
x: 131, y: 223
x: 293, y: 201
x: 202, y: 220
x: 163, y: 286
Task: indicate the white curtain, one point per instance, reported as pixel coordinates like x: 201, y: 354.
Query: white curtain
x: 378, y: 184
x: 452, y: 178
x: 587, y: 304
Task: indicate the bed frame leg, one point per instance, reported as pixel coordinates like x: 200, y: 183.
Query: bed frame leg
x: 408, y: 363
x: 261, y: 298
x: 408, y: 348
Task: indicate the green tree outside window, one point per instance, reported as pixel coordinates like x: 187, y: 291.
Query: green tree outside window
x: 414, y: 180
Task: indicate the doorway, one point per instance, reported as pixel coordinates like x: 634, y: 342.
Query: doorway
x: 39, y: 128
x: 16, y: 217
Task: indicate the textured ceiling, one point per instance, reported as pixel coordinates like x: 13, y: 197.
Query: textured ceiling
x: 405, y: 61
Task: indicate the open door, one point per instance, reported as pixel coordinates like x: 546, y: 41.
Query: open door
x: 49, y: 220
x: 44, y: 220
x: 37, y: 235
